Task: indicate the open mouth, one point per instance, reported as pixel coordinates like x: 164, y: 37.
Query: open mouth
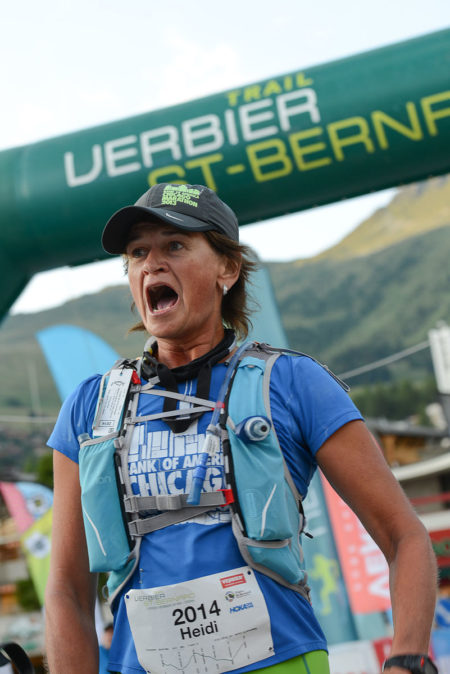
x: 162, y: 298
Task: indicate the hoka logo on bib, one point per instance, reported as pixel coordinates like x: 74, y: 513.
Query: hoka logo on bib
x: 241, y: 607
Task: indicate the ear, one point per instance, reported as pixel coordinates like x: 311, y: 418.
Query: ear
x: 229, y: 274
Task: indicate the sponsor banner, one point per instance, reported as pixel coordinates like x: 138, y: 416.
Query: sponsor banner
x: 363, y: 564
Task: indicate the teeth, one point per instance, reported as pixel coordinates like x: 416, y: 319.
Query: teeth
x: 162, y: 297
x: 155, y: 294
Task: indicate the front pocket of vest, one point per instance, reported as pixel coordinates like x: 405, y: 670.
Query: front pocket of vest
x: 285, y: 561
x: 106, y: 536
x: 265, y: 499
x: 274, y: 519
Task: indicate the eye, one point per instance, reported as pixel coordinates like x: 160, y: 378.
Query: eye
x: 175, y: 245
x: 137, y: 252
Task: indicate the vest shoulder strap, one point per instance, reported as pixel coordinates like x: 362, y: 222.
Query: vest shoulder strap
x: 266, y: 351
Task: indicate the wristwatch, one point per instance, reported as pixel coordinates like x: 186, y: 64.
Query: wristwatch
x: 416, y: 664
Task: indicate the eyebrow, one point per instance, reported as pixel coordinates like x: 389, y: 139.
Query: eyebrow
x: 169, y: 232
x: 138, y: 233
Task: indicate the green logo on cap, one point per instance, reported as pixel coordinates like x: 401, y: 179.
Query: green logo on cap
x: 174, y: 194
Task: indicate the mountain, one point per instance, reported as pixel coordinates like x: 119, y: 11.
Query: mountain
x: 414, y: 210
x: 377, y: 292
x: 356, y: 311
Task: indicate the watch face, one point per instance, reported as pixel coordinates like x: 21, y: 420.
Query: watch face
x: 423, y: 665
x: 429, y: 667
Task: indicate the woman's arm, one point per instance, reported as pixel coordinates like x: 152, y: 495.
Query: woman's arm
x: 71, y: 639
x: 355, y: 467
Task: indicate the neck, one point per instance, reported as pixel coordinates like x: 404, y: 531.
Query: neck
x: 173, y: 354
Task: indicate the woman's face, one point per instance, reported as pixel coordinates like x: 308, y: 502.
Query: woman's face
x: 176, y: 280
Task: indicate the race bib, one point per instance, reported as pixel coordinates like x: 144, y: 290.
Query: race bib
x: 209, y: 625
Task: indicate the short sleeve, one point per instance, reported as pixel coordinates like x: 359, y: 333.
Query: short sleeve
x: 307, y: 405
x: 319, y: 402
x: 76, y: 416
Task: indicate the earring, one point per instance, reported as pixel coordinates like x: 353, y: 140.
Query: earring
x: 224, y: 290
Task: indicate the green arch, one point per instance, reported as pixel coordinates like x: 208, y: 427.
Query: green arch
x: 292, y: 142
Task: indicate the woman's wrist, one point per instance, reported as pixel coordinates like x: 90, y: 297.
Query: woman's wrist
x: 410, y: 662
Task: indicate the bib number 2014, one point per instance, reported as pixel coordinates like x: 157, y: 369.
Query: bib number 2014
x: 215, y: 623
x: 191, y: 614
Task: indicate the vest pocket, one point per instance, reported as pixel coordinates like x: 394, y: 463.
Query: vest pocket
x: 283, y: 555
x: 266, y: 501
x: 106, y: 536
x: 283, y: 561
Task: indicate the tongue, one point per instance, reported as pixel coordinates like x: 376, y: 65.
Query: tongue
x: 165, y: 302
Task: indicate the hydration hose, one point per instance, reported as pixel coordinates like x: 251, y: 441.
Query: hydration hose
x: 213, y: 432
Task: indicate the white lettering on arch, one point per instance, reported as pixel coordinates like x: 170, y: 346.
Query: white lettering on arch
x: 163, y: 139
x: 200, y: 129
x: 74, y: 180
x: 308, y: 105
x: 114, y: 154
x: 250, y: 115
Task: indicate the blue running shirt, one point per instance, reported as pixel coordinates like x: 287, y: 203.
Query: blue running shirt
x: 307, y: 406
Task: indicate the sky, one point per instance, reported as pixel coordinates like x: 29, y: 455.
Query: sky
x: 74, y: 64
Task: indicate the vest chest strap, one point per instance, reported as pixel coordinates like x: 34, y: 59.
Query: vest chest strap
x: 149, y: 524
x: 170, y: 413
x: 135, y: 504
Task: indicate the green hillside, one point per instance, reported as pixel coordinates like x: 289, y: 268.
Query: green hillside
x: 379, y: 290
x: 416, y: 209
x: 353, y: 312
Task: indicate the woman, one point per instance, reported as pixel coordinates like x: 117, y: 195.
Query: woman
x: 188, y: 276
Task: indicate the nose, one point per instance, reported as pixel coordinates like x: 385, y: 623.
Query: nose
x: 154, y: 262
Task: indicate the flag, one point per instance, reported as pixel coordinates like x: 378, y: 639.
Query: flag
x: 363, y: 564
x: 26, y: 502
x: 36, y: 544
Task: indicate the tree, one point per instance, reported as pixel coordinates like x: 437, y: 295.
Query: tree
x: 44, y: 470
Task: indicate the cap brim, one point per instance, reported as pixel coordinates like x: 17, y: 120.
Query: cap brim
x: 115, y: 234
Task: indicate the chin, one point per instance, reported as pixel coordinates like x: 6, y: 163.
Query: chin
x: 160, y: 331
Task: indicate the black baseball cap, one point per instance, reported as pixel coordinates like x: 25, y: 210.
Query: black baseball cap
x: 195, y: 208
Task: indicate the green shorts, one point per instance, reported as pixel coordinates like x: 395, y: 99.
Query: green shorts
x: 314, y: 662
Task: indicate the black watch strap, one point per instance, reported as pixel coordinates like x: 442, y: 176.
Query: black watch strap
x: 416, y: 664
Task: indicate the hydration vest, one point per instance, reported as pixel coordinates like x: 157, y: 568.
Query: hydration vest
x: 266, y: 508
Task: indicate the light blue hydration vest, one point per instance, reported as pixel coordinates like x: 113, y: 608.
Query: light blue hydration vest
x: 267, y: 514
